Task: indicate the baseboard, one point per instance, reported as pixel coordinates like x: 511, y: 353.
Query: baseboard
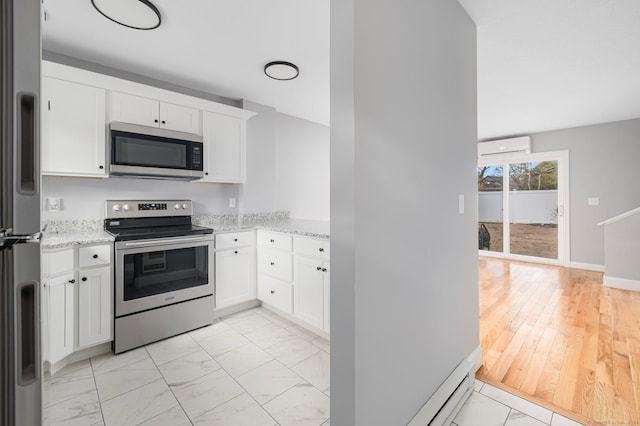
x: 475, y: 358
x: 621, y: 283
x: 296, y: 321
x: 230, y: 310
x: 80, y: 355
x: 441, y: 408
x: 587, y: 266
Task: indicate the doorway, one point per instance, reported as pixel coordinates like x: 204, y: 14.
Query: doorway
x: 523, y: 207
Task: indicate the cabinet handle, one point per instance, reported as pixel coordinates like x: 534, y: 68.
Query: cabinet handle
x: 273, y: 291
x: 164, y: 122
x: 72, y: 281
x: 324, y: 269
x: 95, y: 256
x: 206, y: 173
x: 155, y: 121
x: 318, y: 268
x: 272, y: 263
x: 235, y: 239
x: 273, y: 241
x: 320, y: 249
x: 235, y: 252
x: 84, y: 278
x: 101, y: 167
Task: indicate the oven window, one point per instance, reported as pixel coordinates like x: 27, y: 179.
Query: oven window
x: 133, y: 151
x: 157, y: 272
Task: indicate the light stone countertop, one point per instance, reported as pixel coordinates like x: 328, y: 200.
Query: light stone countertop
x: 309, y: 228
x: 67, y: 239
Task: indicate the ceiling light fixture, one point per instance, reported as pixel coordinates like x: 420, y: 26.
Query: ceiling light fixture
x: 136, y: 14
x: 281, y: 70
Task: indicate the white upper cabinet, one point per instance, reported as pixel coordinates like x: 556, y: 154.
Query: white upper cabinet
x: 153, y: 113
x: 225, y: 148
x: 73, y: 129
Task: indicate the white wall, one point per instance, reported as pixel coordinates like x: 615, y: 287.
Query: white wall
x: 622, y: 245
x: 404, y: 277
x: 302, y: 173
x: 83, y: 198
x: 603, y: 163
x: 287, y: 165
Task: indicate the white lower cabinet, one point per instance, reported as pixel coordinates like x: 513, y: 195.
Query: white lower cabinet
x: 60, y: 315
x: 235, y: 276
x: 276, y: 293
x: 311, y: 288
x: 77, y: 299
x: 308, y: 302
x: 94, y: 306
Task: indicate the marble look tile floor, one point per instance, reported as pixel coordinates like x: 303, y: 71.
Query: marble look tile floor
x: 253, y: 368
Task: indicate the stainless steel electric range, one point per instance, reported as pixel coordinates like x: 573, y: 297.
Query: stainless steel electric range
x: 163, y: 271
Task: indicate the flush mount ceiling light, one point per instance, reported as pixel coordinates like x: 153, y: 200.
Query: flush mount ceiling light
x: 136, y: 14
x: 281, y: 70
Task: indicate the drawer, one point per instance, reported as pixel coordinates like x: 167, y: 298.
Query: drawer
x: 57, y: 262
x: 274, y: 240
x: 235, y: 239
x: 94, y: 255
x: 278, y: 264
x: 276, y: 293
x: 318, y: 247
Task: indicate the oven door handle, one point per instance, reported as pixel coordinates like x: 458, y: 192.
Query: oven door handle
x: 167, y: 241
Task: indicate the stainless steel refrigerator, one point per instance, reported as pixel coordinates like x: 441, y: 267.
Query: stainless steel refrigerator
x: 20, y: 354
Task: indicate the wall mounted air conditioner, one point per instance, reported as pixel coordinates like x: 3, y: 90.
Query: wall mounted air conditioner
x: 521, y: 145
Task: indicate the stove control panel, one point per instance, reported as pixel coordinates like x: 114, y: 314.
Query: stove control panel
x: 117, y: 209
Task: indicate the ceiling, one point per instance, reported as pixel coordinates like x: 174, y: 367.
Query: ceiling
x: 215, y: 46
x: 554, y: 64
x: 542, y: 64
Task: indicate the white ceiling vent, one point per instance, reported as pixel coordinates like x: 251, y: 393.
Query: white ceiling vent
x: 521, y: 145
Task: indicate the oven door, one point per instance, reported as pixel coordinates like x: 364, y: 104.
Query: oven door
x: 159, y: 272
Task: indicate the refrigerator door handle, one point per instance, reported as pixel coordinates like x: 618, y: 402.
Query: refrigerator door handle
x: 8, y: 239
x: 28, y: 144
x: 28, y: 333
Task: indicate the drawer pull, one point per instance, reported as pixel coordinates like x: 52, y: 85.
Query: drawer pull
x: 318, y: 268
x: 324, y: 269
x: 95, y: 256
x: 321, y: 249
x: 235, y: 252
x: 84, y: 278
x: 72, y: 281
x: 272, y: 263
x: 273, y: 291
x: 273, y: 241
x: 235, y: 239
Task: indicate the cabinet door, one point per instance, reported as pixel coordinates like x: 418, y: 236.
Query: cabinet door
x: 225, y: 148
x: 73, y: 129
x: 179, y: 118
x: 61, y: 292
x: 235, y: 276
x: 308, y: 291
x: 94, y: 306
x: 135, y: 109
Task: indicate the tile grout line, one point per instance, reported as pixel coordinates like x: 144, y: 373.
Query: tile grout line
x: 93, y: 374
x: 169, y: 387
x: 238, y: 383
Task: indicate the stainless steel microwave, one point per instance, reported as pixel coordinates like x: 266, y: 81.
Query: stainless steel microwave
x: 149, y: 152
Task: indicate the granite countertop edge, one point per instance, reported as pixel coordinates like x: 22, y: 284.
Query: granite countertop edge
x: 51, y: 241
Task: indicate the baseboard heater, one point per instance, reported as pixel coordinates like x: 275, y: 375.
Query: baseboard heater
x: 443, y: 406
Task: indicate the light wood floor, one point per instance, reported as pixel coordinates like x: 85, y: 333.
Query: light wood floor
x: 557, y: 337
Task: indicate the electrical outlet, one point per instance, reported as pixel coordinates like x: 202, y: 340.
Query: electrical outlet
x: 53, y: 204
x: 232, y: 203
x: 593, y: 201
